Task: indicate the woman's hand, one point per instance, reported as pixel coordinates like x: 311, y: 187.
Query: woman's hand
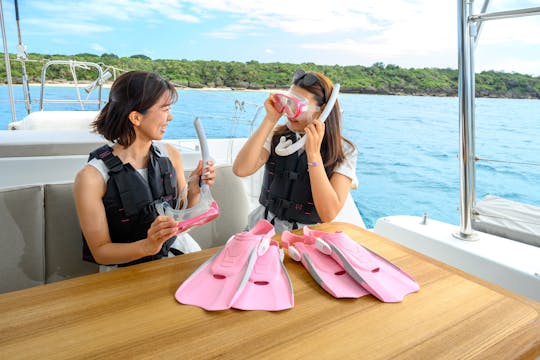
x: 207, y: 176
x: 314, y: 137
x: 272, y: 114
x: 161, y: 230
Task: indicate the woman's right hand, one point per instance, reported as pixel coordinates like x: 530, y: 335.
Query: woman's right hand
x: 161, y: 230
x: 271, y: 113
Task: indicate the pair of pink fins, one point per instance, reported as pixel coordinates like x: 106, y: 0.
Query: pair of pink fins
x: 346, y: 269
x: 248, y: 272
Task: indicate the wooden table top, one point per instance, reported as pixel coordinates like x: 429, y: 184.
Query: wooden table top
x: 131, y: 313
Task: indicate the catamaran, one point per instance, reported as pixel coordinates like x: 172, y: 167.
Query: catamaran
x: 497, y: 241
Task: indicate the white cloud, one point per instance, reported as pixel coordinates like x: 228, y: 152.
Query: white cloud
x: 411, y: 33
x: 98, y: 47
x: 67, y: 27
x: 232, y: 31
x: 511, y: 64
x: 522, y: 30
x: 94, y: 13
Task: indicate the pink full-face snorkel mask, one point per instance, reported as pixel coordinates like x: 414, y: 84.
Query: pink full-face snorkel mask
x: 207, y: 209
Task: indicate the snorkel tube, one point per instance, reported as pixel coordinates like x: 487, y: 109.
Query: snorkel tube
x: 286, y: 147
x: 205, y: 153
x: 207, y: 209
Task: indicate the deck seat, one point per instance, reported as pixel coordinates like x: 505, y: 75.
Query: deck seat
x: 22, y: 255
x: 63, y: 239
x: 41, y: 238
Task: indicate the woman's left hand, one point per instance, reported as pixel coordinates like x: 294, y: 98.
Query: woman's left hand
x: 314, y: 137
x: 207, y: 175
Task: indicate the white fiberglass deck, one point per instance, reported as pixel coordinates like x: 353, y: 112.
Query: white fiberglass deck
x: 508, y: 263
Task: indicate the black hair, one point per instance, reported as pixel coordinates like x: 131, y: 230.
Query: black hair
x: 131, y: 91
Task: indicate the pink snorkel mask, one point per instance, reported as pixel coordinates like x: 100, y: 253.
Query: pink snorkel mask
x: 207, y: 209
x: 292, y: 105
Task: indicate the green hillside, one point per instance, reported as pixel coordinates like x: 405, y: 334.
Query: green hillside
x: 375, y: 79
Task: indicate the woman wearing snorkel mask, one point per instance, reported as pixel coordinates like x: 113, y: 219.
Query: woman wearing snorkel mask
x: 309, y: 185
x: 116, y: 192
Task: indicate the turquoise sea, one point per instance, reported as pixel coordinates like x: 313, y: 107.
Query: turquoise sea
x: 408, y: 145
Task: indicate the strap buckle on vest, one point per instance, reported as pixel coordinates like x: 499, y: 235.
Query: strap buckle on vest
x: 104, y: 154
x: 112, y: 161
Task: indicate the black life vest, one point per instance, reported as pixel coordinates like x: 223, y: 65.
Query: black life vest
x: 286, y: 189
x: 130, y: 201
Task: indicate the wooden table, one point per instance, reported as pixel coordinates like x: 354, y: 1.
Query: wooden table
x: 131, y: 313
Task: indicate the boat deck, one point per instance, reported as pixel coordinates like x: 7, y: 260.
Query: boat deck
x: 508, y: 263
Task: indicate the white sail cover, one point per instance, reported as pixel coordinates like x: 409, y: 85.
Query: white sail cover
x: 509, y: 219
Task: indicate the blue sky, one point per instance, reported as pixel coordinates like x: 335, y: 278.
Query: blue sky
x: 408, y: 33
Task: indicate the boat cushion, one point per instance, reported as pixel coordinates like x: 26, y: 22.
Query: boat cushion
x: 63, y: 239
x: 509, y: 219
x: 22, y: 260
x: 41, y: 238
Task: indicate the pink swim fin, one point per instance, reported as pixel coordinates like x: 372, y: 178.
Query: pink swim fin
x: 269, y: 286
x: 219, y: 281
x: 322, y: 268
x: 379, y: 276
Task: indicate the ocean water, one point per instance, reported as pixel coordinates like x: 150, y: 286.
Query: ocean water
x: 408, y: 145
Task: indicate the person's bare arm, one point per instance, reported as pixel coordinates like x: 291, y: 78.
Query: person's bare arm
x: 253, y: 155
x: 329, y: 194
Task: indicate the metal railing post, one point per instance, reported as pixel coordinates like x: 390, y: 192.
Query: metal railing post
x: 8, y: 66
x: 466, y: 120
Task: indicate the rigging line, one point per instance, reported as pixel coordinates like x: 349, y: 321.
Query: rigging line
x: 72, y: 66
x: 219, y: 117
x: 218, y: 93
x: 507, y: 161
x: 478, y: 213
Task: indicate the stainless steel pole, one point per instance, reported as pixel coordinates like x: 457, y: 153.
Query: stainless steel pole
x: 466, y: 110
x: 22, y: 56
x: 8, y: 66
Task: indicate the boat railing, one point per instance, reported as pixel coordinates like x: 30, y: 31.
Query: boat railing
x: 469, y: 27
x: 73, y: 66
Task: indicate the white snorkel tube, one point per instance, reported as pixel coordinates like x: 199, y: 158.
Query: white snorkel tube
x: 287, y: 147
x: 207, y: 209
x: 205, y: 153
